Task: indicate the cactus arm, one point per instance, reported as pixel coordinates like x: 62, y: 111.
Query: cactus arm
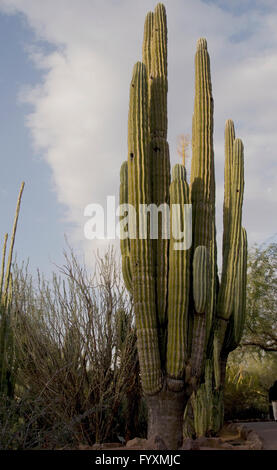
x: 229, y: 272
x: 229, y: 143
x: 158, y: 75
x: 202, y: 169
x: 179, y: 172
x: 179, y: 283
x: 240, y: 291
x: 202, y: 185
x: 225, y: 303
x: 237, y: 320
x: 147, y: 40
x: 159, y: 156
x: 125, y: 242
x: 200, y: 278
x: 141, y: 249
x: 202, y: 190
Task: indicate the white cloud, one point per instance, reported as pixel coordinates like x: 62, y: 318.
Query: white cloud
x: 79, y: 117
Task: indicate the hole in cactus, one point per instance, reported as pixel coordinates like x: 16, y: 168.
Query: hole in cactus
x: 131, y: 155
x: 133, y: 85
x: 156, y: 149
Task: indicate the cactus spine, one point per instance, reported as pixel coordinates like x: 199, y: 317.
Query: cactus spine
x: 181, y: 319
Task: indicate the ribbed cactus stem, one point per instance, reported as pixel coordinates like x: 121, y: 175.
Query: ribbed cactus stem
x: 201, y: 295
x: 230, y: 267
x: 229, y: 143
x: 202, y: 189
x: 201, y: 44
x: 179, y: 172
x: 202, y: 170
x: 147, y: 41
x: 234, y: 247
x: 237, y: 319
x: 141, y: 249
x: 240, y: 289
x: 179, y: 281
x: 124, y: 241
x: 200, y: 278
x: 156, y: 66
x: 158, y: 75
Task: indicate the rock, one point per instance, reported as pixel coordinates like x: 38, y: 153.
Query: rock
x: 136, y: 442
x: 243, y: 431
x: 211, y: 443
x: 254, y: 441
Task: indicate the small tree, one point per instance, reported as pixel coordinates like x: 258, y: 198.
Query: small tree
x: 261, y: 324
x: 182, y: 149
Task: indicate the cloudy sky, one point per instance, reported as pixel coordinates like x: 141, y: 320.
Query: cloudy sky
x: 65, y: 68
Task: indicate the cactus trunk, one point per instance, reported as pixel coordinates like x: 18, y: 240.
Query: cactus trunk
x: 166, y: 416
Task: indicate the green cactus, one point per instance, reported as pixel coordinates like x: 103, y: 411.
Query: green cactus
x: 178, y: 285
x: 231, y: 311
x: 182, y: 311
x: 200, y: 278
x: 7, y: 365
x: 124, y: 241
x: 207, y: 408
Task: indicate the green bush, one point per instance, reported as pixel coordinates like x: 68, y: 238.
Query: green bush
x: 247, y: 385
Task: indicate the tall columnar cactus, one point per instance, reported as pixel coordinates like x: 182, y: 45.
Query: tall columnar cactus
x: 6, y: 287
x: 230, y: 315
x: 182, y: 311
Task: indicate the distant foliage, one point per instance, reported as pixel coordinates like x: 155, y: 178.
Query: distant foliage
x: 247, y: 385
x: 261, y: 325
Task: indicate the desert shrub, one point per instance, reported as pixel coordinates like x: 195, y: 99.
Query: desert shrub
x: 7, y: 356
x: 77, y: 360
x: 25, y: 424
